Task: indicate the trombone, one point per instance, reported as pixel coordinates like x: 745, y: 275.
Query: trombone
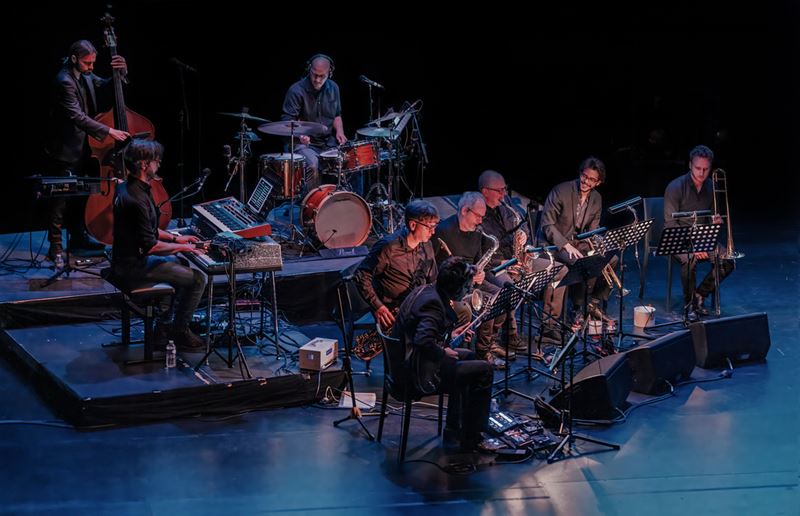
x: 719, y: 181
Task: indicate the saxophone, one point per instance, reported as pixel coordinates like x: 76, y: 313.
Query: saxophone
x: 487, y: 257
x: 475, y: 298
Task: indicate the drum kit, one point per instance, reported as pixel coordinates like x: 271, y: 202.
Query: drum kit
x: 337, y: 216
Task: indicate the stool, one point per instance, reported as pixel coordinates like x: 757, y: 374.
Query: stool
x: 142, y: 301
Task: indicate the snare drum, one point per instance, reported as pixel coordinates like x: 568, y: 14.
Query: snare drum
x: 339, y: 218
x: 359, y: 155
x: 276, y: 168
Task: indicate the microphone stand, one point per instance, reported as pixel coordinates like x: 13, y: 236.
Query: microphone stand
x: 423, y: 151
x: 183, y: 125
x: 197, y: 182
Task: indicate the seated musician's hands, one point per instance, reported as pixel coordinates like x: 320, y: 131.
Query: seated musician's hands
x: 341, y: 139
x: 451, y: 353
x: 187, y: 248
x: 458, y: 331
x: 479, y: 277
x: 186, y: 239
x: 305, y: 140
x: 384, y: 317
x: 701, y: 255
x: 573, y: 253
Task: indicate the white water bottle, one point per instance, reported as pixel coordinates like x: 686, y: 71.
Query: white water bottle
x: 171, y: 360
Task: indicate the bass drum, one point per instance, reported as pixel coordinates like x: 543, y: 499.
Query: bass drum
x: 339, y: 218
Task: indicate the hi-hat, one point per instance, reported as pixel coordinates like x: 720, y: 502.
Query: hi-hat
x: 244, y: 115
x: 293, y: 127
x: 378, y: 132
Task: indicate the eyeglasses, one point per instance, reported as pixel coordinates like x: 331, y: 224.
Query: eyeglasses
x: 502, y: 190
x: 590, y: 180
x: 431, y: 227
x: 479, y: 215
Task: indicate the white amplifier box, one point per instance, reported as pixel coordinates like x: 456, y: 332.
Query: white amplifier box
x: 317, y: 354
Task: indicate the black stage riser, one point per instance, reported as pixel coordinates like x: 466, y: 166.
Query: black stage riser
x: 667, y: 359
x: 740, y: 338
x: 77, y: 378
x: 599, y: 390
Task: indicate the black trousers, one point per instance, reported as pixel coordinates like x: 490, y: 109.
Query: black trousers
x: 468, y: 382
x: 189, y: 284
x: 689, y: 275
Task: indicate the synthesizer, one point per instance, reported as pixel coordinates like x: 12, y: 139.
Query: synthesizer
x: 231, y: 215
x: 262, y: 254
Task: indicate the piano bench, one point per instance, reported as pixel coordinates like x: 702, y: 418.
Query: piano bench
x: 143, y: 301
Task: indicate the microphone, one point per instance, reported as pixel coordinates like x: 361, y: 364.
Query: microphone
x: 621, y: 206
x: 366, y: 80
x: 206, y: 173
x: 504, y: 265
x: 182, y: 65
x: 590, y: 233
x: 684, y: 214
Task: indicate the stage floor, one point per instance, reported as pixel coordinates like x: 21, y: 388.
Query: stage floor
x: 721, y: 447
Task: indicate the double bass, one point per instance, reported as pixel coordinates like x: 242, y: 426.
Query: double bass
x: 99, y: 214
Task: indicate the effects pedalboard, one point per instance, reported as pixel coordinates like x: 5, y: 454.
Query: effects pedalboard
x: 517, y: 432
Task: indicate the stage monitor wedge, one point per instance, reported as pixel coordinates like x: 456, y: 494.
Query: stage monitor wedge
x: 740, y: 338
x: 599, y: 390
x: 668, y: 359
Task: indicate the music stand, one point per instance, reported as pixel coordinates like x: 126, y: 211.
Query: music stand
x: 527, y: 286
x: 581, y: 271
x: 619, y: 239
x: 687, y: 240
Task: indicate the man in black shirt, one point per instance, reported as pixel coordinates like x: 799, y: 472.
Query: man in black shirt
x: 693, y: 191
x: 460, y: 236
x: 143, y: 253
x: 502, y: 222
x: 315, y: 98
x: 423, y: 323
x: 399, y: 263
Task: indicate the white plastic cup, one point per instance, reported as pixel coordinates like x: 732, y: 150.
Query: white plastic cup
x: 644, y: 316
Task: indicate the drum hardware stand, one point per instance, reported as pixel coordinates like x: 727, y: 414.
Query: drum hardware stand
x: 240, y: 161
x: 294, y: 231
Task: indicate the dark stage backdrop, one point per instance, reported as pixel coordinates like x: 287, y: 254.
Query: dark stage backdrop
x: 529, y: 96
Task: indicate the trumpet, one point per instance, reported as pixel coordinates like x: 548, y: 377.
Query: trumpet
x: 719, y: 181
x: 608, y: 271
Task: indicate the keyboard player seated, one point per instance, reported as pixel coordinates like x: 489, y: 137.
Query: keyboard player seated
x: 143, y: 253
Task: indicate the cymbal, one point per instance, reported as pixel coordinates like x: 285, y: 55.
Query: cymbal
x: 378, y: 132
x: 248, y: 135
x: 246, y: 116
x: 391, y: 115
x: 296, y: 127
